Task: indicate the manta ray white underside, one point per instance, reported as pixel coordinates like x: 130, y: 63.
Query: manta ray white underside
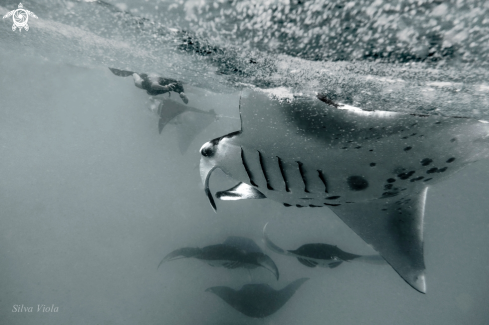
x: 372, y: 168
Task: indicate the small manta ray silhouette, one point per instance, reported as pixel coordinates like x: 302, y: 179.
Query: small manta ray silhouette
x: 190, y: 121
x: 235, y: 252
x: 257, y: 300
x: 322, y: 255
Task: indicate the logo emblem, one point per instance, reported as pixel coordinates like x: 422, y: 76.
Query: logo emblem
x: 20, y: 17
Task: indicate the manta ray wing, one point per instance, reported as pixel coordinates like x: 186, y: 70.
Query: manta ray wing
x: 395, y: 229
x: 191, y: 123
x: 167, y: 111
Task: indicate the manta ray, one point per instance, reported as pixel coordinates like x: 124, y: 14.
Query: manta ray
x: 257, y: 300
x: 235, y: 252
x: 190, y: 121
x: 371, y: 168
x: 320, y: 254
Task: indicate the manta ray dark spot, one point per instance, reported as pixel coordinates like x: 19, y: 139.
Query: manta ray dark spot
x: 358, y: 147
x: 287, y: 205
x: 389, y: 194
x: 417, y: 179
x: 299, y: 206
x: 372, y: 164
x: 441, y: 170
x: 391, y: 180
x: 404, y: 138
x: 432, y: 170
x: 450, y: 160
x: 453, y: 139
x: 426, y: 161
x: 384, y: 209
x: 428, y: 179
x: 333, y: 197
x: 438, y: 122
x: 357, y: 183
x: 413, y: 134
x: 408, y: 148
x: 371, y: 150
x: 406, y: 175
x: 344, y: 148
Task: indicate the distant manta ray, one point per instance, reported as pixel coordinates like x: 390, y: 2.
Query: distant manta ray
x: 257, y: 300
x: 322, y: 255
x: 235, y: 252
x: 190, y: 121
x: 372, y: 168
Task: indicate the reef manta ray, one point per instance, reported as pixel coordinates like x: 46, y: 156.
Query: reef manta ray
x: 372, y: 168
x: 257, y: 300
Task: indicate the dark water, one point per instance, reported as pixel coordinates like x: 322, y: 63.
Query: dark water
x: 91, y: 197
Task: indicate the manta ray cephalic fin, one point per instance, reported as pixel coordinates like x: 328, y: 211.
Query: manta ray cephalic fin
x: 394, y: 227
x: 241, y: 191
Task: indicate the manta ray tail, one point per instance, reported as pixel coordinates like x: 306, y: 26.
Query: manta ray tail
x: 266, y: 262
x: 271, y: 245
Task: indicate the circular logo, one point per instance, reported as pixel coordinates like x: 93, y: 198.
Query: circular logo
x: 20, y: 18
